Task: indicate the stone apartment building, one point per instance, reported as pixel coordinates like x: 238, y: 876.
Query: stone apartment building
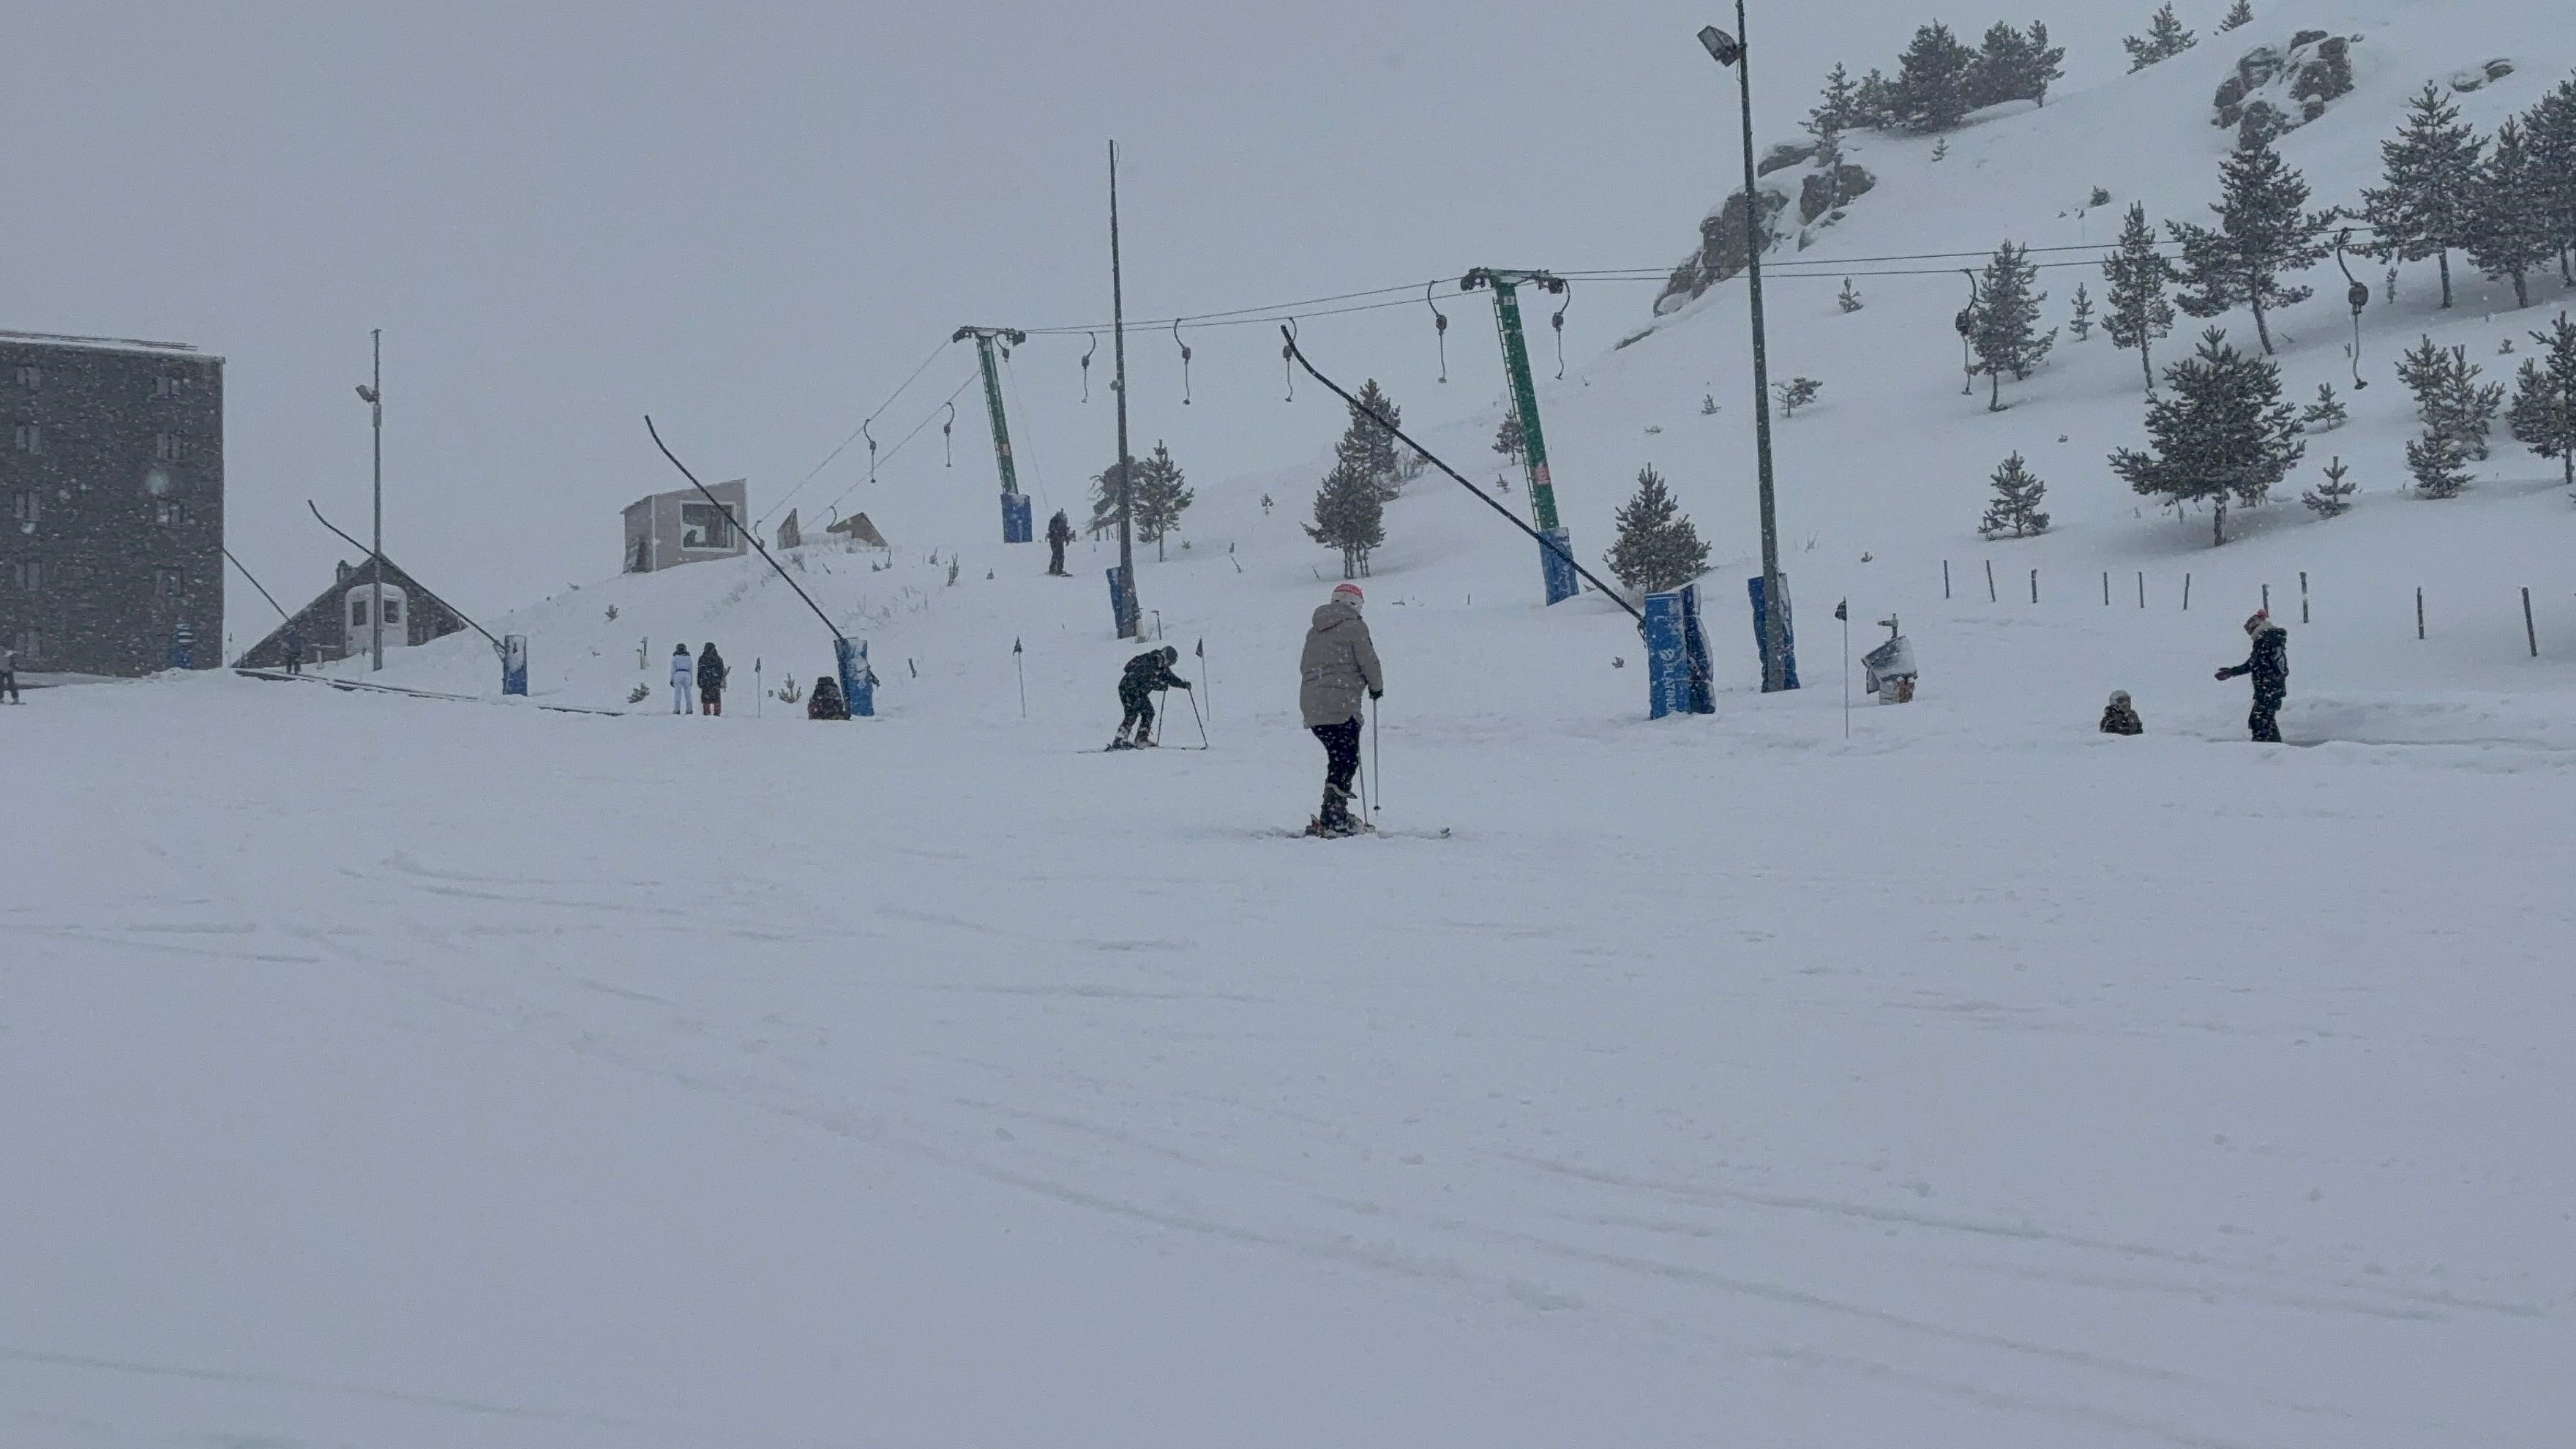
x: 112, y: 470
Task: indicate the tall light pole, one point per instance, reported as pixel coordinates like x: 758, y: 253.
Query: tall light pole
x: 1728, y: 50
x: 1130, y: 622
x: 374, y: 397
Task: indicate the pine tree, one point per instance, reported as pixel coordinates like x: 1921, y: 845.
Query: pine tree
x: 2006, y: 337
x: 1849, y: 301
x: 1796, y: 393
x: 1873, y: 102
x: 1838, y: 109
x: 1931, y: 92
x: 2325, y: 414
x: 1656, y: 549
x: 2136, y: 312
x: 2047, y: 64
x: 2438, y: 466
x: 2508, y: 233
x: 1162, y: 496
x: 2448, y: 398
x: 2544, y: 406
x: 2425, y: 209
x: 1105, y: 511
x: 2551, y: 124
x: 2082, y: 322
x: 2264, y: 236
x: 2002, y: 71
x: 1370, y: 447
x: 2015, y: 509
x: 2240, y: 15
x: 1350, y: 515
x: 2333, y: 497
x: 2165, y: 39
x: 2222, y: 435
x: 1508, y: 440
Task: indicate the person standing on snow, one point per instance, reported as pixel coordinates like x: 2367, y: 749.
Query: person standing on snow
x: 1340, y: 661
x: 711, y: 680
x: 1147, y: 672
x: 826, y: 702
x: 9, y: 674
x: 2270, y: 666
x: 1059, y: 533
x: 683, y: 674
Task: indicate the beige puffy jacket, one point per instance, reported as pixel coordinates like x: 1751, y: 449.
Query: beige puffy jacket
x: 1339, y: 666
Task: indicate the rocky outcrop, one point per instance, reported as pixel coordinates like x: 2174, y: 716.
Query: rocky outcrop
x: 1721, y: 248
x: 1824, y: 195
x: 2476, y: 77
x: 2278, y: 89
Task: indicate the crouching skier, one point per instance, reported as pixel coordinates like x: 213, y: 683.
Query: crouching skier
x: 1339, y: 663
x: 1146, y: 673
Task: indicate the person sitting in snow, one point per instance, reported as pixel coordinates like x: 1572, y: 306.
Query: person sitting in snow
x: 683, y: 676
x: 2270, y: 666
x: 826, y: 702
x: 2121, y: 717
x: 1147, y: 672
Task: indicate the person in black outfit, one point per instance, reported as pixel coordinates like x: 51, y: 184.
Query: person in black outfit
x: 1059, y: 533
x: 1147, y: 672
x: 826, y: 701
x: 2270, y: 666
x: 2120, y: 717
x: 711, y: 680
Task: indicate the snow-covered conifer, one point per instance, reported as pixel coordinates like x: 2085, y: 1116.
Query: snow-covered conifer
x: 2439, y: 468
x: 2081, y: 324
x: 2238, y: 16
x: 1508, y: 440
x: 2137, y: 313
x: 2508, y: 234
x: 1932, y: 87
x: 2448, y: 396
x: 2222, y: 433
x: 1849, y: 301
x: 1796, y: 393
x: 1162, y: 496
x: 2333, y: 497
x: 2544, y: 406
x: 2265, y: 237
x: 1656, y: 548
x: 2015, y: 507
x: 1371, y: 448
x: 1350, y: 515
x: 2325, y: 414
x: 2164, y: 40
x: 2431, y: 170
x: 2006, y: 335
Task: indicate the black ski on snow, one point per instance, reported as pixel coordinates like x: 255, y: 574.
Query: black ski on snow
x: 1383, y: 832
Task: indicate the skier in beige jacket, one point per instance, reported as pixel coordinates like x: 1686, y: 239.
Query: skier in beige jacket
x: 1339, y: 664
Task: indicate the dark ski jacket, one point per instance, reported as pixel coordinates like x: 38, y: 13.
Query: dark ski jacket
x: 2122, y: 720
x: 711, y: 672
x: 826, y: 702
x: 1147, y: 672
x: 1059, y: 530
x: 2269, y: 664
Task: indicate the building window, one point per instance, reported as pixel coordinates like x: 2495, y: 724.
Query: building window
x: 358, y: 612
x: 168, y: 386
x: 166, y: 447
x: 393, y: 612
x: 26, y: 508
x: 30, y: 376
x: 30, y: 437
x: 167, y: 583
x: 28, y: 574
x: 170, y: 513
x: 703, y: 525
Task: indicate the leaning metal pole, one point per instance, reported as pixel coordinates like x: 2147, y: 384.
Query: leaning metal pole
x: 1775, y: 606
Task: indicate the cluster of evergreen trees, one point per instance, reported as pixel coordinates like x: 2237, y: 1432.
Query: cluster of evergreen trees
x: 1939, y: 80
x: 1367, y: 474
x: 2508, y: 206
x: 1161, y: 495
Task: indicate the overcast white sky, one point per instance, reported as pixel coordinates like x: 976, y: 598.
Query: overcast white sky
x: 754, y: 220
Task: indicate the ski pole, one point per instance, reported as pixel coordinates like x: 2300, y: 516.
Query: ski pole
x: 1373, y: 755
x: 1201, y: 719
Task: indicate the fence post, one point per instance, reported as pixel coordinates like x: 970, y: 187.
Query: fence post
x: 1990, y: 581
x: 2529, y: 632
x: 2106, y: 588
x: 2303, y: 596
x: 1945, y: 578
x: 2419, y: 611
x: 2186, y: 593
x: 2267, y: 598
x: 2142, y: 588
x: 2034, y: 586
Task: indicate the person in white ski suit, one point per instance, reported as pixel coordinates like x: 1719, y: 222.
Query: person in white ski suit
x: 684, y: 676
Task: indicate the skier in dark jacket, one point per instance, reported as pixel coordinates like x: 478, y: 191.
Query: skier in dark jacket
x: 2120, y: 717
x: 1147, y: 672
x: 2270, y: 666
x: 711, y: 680
x: 1059, y: 533
x: 826, y: 702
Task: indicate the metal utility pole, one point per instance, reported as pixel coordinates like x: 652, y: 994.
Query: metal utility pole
x: 1560, y: 577
x: 1132, y: 610
x: 374, y: 395
x: 1729, y: 50
x: 1014, y: 521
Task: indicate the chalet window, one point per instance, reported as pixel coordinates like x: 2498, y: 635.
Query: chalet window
x: 703, y: 525
x: 170, y: 513
x: 27, y: 574
x: 393, y: 612
x: 166, y: 447
x: 30, y: 376
x: 27, y: 507
x: 30, y: 437
x: 167, y: 386
x: 358, y: 612
x: 166, y: 582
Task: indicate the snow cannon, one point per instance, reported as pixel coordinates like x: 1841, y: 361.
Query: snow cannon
x: 1888, y: 670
